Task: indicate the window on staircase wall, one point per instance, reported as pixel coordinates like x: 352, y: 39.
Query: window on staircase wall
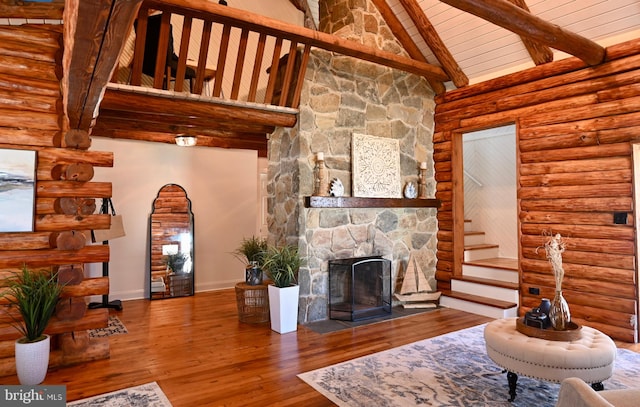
x: 490, y: 193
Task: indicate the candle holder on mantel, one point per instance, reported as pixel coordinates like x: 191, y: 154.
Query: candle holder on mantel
x: 321, y: 182
x: 422, y: 181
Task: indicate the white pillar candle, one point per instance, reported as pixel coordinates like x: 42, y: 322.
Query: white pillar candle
x: 320, y: 156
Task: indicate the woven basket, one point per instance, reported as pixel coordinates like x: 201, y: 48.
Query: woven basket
x: 253, y: 303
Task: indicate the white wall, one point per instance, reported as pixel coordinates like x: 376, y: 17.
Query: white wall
x: 281, y: 10
x: 222, y: 185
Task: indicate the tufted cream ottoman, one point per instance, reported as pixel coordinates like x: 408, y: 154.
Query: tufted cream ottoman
x: 590, y: 358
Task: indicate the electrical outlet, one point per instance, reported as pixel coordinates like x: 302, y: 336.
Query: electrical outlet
x: 534, y: 290
x: 620, y: 218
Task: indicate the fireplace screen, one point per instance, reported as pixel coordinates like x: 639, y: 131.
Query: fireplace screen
x: 359, y: 288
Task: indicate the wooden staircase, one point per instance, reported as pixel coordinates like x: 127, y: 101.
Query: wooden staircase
x: 489, y: 284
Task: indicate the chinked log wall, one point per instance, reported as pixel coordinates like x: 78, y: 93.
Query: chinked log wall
x: 575, y: 126
x: 32, y: 118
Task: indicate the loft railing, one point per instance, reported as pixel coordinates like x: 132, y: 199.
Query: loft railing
x: 186, y: 50
x: 241, y: 56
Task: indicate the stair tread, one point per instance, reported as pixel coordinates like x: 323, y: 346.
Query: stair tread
x: 488, y: 281
x: 479, y: 299
x: 473, y: 232
x: 496, y: 262
x: 480, y: 246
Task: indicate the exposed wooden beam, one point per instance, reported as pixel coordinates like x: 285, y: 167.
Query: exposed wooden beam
x: 95, y: 35
x: 173, y: 124
x: 519, y: 21
x: 123, y: 100
x: 433, y: 40
x: 240, y: 141
x: 405, y: 39
x: 32, y: 10
x: 540, y: 54
x: 131, y: 114
x: 301, y: 35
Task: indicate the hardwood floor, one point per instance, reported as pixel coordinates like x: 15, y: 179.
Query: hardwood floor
x: 201, y: 355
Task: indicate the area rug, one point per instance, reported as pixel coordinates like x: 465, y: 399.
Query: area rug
x: 448, y: 370
x: 145, y: 395
x: 114, y: 327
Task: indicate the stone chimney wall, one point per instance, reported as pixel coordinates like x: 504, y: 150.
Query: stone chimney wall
x: 342, y: 96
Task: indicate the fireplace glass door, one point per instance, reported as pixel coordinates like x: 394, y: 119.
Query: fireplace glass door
x: 359, y: 288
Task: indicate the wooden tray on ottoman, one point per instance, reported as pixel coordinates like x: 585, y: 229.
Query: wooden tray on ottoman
x: 571, y: 334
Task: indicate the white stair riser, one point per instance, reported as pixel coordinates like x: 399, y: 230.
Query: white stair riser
x: 470, y: 270
x: 474, y: 239
x: 468, y: 226
x: 479, y: 309
x: 479, y: 254
x: 483, y: 290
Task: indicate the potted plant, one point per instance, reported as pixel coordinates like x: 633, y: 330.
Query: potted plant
x: 281, y: 263
x: 250, y: 252
x: 35, y: 294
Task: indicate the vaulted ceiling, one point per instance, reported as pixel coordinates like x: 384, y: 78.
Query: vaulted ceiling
x: 485, y: 50
x: 489, y: 38
x: 471, y: 41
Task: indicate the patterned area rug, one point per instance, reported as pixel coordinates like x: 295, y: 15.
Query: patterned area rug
x: 145, y: 395
x: 114, y: 327
x: 448, y: 370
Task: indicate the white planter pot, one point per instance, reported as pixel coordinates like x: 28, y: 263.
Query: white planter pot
x: 32, y: 361
x: 283, y: 308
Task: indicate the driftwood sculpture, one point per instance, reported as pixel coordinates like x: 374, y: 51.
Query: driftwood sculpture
x: 554, y: 248
x: 559, y: 312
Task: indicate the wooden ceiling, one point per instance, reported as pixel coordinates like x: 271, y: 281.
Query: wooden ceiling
x: 467, y: 40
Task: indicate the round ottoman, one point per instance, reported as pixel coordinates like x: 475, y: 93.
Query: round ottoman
x: 590, y: 358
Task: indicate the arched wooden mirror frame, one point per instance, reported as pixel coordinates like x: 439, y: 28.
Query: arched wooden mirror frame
x: 171, y: 244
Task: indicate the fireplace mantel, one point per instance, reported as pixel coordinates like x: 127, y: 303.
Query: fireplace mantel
x: 354, y: 202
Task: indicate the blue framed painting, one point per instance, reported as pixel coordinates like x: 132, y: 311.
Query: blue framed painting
x: 17, y: 190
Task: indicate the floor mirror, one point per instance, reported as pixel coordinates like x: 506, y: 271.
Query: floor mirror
x: 171, y: 244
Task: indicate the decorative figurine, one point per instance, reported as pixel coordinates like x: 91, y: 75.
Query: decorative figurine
x: 337, y: 189
x: 410, y: 190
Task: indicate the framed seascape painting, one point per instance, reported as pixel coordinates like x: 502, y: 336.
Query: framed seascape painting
x: 17, y: 190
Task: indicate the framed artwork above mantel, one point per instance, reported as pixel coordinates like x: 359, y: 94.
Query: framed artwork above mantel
x: 375, y: 163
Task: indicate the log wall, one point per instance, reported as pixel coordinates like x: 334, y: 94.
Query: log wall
x: 32, y: 118
x: 575, y: 126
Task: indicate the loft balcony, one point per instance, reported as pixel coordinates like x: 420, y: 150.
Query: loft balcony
x: 224, y: 75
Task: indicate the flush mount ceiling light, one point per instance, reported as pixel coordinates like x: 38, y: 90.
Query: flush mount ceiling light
x: 186, y: 141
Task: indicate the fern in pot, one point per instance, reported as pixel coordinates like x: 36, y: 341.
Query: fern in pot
x: 35, y: 294
x: 282, y: 263
x: 251, y: 252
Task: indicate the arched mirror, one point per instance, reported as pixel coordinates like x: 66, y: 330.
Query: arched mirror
x: 171, y: 244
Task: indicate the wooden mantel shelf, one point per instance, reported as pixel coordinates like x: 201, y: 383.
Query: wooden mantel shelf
x: 352, y: 202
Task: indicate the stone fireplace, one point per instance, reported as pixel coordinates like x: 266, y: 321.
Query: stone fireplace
x: 342, y: 96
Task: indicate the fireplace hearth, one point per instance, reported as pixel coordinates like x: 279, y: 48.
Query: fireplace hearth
x: 359, y: 288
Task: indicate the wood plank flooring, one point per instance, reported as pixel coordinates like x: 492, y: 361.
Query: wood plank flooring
x: 201, y: 355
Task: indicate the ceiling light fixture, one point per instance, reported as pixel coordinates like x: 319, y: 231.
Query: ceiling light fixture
x: 186, y: 141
